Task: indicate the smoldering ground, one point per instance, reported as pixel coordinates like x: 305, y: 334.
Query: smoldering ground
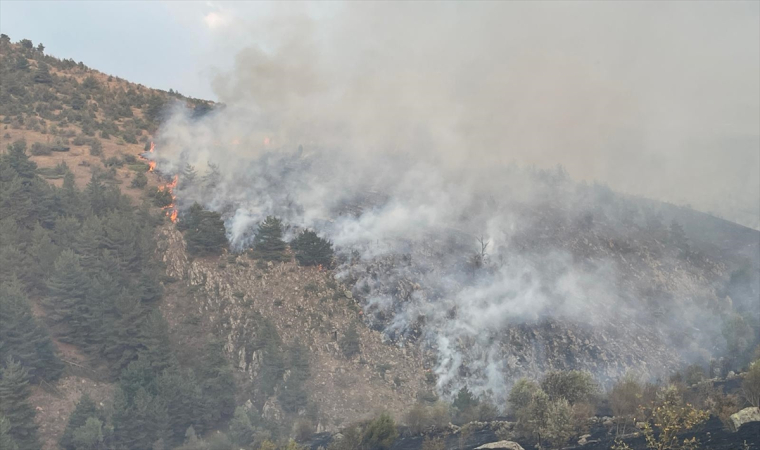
x: 411, y: 129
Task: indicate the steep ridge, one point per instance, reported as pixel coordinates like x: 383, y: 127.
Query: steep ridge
x: 230, y: 294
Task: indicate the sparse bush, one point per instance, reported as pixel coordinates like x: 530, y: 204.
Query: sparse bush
x: 351, y: 439
x: 349, y: 344
x: 751, y: 384
x: 693, y: 374
x: 433, y: 444
x: 421, y: 417
x: 303, y: 430
x: 668, y: 418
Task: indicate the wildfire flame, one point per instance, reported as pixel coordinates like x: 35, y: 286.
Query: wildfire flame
x: 171, y: 210
x: 151, y: 163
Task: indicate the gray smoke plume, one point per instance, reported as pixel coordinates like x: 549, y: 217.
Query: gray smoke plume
x: 406, y: 132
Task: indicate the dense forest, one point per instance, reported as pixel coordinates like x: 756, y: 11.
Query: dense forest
x: 83, y: 296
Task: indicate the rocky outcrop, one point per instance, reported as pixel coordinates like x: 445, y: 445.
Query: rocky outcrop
x: 746, y: 415
x: 238, y: 297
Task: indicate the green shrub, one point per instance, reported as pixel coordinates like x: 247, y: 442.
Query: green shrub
x: 96, y: 148
x: 113, y: 161
x: 139, y: 181
x: 626, y: 396
x: 40, y: 149
x: 522, y: 393
x: 573, y: 385
x: 129, y: 138
x: 380, y: 433
x: 79, y: 140
x: 694, y: 374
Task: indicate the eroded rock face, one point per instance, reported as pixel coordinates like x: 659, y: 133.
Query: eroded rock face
x: 235, y: 296
x: 746, y: 415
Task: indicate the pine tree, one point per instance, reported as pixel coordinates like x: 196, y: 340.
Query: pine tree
x: 155, y: 342
x: 68, y: 302
x: 218, y: 383
x: 241, y: 429
x: 212, y: 177
x: 84, y: 409
x: 14, y: 405
x: 188, y: 177
x: 183, y: 396
x: 294, y: 396
x: 95, y: 193
x: 139, y: 423
x: 268, y: 244
x: 90, y: 435
x: 89, y: 241
x: 124, y: 338
x: 6, y: 440
x: 22, y: 337
x: 43, y: 253
x: 205, y: 233
x: 311, y: 250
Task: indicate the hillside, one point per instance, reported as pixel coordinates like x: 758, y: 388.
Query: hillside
x: 68, y: 113
x: 166, y: 290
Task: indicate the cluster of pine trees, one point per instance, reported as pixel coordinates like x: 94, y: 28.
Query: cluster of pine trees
x: 308, y: 247
x: 85, y: 259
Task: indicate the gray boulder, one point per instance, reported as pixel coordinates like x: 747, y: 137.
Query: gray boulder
x: 746, y: 415
x: 500, y: 445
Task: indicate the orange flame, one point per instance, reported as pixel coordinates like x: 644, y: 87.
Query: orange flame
x: 171, y: 210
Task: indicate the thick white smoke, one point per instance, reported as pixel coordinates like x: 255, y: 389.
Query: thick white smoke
x: 390, y: 130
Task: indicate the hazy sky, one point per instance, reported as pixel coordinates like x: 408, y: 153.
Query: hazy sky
x: 167, y: 45
x: 655, y: 98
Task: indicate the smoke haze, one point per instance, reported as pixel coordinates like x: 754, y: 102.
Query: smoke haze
x: 660, y: 100
x: 410, y: 115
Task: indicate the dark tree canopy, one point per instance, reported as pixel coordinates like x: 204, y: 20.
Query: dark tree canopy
x: 312, y: 250
x: 268, y: 244
x: 15, y: 407
x: 204, y: 231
